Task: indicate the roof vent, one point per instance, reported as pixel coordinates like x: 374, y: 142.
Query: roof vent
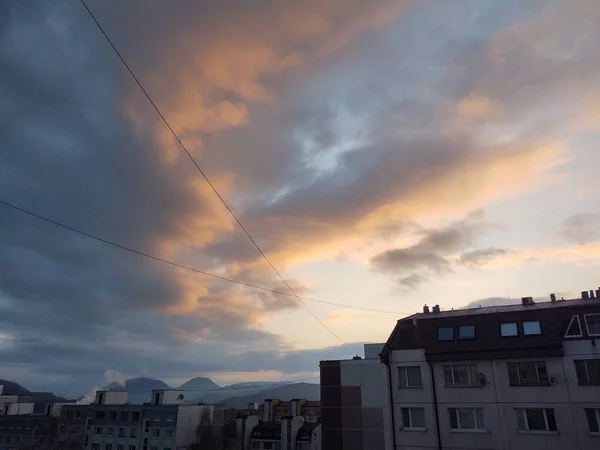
x: 553, y: 298
x: 436, y: 309
x: 598, y: 293
x: 426, y: 309
x: 585, y: 295
x: 527, y: 300
x: 591, y: 293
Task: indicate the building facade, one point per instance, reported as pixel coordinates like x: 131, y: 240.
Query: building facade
x: 355, y: 403
x: 523, y: 376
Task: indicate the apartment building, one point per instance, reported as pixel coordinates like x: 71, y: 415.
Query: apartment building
x: 523, y: 376
x: 281, y: 425
x: 355, y: 403
x: 110, y: 423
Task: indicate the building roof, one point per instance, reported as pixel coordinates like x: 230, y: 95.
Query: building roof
x: 305, y: 432
x: 266, y: 431
x: 515, y: 307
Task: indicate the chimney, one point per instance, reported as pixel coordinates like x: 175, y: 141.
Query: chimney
x: 598, y: 293
x: 527, y: 300
x: 356, y: 358
x: 436, y: 309
x: 553, y: 298
x: 591, y: 293
x: 426, y: 309
x: 585, y: 295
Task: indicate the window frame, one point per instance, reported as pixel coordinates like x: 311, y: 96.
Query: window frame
x: 470, y: 371
x: 596, y: 414
x: 111, y: 431
x: 587, y: 328
x: 98, y: 431
x: 446, y: 328
x: 515, y: 323
x: 589, y: 382
x: 410, y: 418
x: 168, y: 434
x: 122, y: 432
x: 477, y: 416
x: 405, y: 370
x: 155, y: 433
x: 537, y: 374
x: 133, y: 432
x: 569, y: 336
x: 546, y: 430
x: 170, y: 416
x: 539, y: 324
x: 469, y: 338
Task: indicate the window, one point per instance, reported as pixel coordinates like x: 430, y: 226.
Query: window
x: 111, y: 431
x: 170, y: 417
x: 509, y: 329
x: 95, y: 446
x: 532, y: 328
x: 119, y: 447
x: 410, y: 376
x: 267, y: 446
x: 530, y: 373
x: 74, y: 430
x: 77, y: 415
x: 121, y: 432
x: 535, y: 419
x: 8, y: 439
x: 132, y: 447
x: 593, y: 418
x: 99, y: 414
x: 98, y: 431
x: 153, y: 448
x: 466, y: 418
x: 112, y: 415
x: 461, y: 375
x: 588, y: 371
x: 592, y: 323
x: 466, y: 332
x: 155, y: 432
x: 166, y: 448
x: 574, y: 329
x: 124, y: 415
x: 168, y: 434
x: 136, y: 416
x: 108, y: 447
x: 63, y: 429
x: 446, y: 334
x: 256, y: 445
x: 156, y: 415
x: 413, y: 418
x: 132, y: 432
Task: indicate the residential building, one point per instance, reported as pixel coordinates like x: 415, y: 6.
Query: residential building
x: 522, y: 376
x: 355, y: 403
x: 110, y: 423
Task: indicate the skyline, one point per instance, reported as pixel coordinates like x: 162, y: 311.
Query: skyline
x: 382, y: 157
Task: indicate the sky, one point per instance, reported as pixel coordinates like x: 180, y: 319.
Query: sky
x: 384, y: 155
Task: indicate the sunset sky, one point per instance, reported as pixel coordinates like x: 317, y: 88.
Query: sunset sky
x: 383, y: 154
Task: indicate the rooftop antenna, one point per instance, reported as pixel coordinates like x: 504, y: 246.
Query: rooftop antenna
x: 507, y: 294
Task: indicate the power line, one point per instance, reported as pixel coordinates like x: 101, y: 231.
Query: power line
x: 212, y: 186
x: 182, y: 266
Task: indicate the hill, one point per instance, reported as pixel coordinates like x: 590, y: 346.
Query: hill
x: 12, y: 388
x: 307, y: 391
x: 199, y: 384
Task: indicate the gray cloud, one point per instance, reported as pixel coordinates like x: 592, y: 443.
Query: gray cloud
x: 479, y: 257
x: 431, y: 255
x: 581, y: 228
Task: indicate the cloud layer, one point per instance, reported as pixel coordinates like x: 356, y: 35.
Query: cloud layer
x: 331, y: 127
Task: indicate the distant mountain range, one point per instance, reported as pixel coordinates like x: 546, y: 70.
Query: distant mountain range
x: 201, y: 389
x: 12, y: 388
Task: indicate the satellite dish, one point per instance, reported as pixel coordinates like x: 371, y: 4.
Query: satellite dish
x: 180, y: 397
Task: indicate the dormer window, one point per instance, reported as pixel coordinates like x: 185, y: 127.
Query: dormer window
x: 592, y: 323
x: 466, y: 332
x: 445, y: 334
x: 574, y: 329
x: 532, y: 328
x: 509, y: 329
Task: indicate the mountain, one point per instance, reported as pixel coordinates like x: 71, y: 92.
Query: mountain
x: 139, y: 390
x: 12, y: 388
x: 307, y: 391
x: 199, y: 384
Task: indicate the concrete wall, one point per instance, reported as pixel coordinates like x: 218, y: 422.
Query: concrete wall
x: 188, y: 419
x: 498, y: 401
